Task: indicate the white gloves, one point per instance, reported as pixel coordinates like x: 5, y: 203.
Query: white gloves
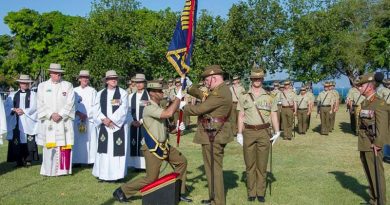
x: 179, y: 94
x: 240, y: 139
x: 274, y: 137
x: 189, y: 82
x: 180, y: 127
x: 182, y: 104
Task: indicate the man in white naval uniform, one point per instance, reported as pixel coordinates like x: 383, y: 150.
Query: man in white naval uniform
x: 110, y: 116
x: 21, y: 112
x: 85, y: 133
x: 137, y: 103
x: 56, y: 112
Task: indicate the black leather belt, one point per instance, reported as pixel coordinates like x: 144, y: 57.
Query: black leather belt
x: 257, y: 127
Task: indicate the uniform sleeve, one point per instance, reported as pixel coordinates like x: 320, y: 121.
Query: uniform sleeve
x: 69, y: 108
x: 274, y: 105
x: 196, y: 92
x: 382, y: 125
x: 210, y: 104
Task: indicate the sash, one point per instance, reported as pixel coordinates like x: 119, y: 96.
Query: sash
x: 119, y: 136
x: 135, y: 133
x: 160, y: 150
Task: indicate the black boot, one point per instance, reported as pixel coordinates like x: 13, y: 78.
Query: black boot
x: 120, y: 196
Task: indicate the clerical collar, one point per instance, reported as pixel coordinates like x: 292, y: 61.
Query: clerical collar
x: 24, y: 91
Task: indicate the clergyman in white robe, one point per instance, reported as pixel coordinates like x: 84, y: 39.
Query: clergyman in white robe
x: 22, y: 129
x: 3, y: 122
x: 56, y: 98
x: 111, y: 158
x: 85, y: 139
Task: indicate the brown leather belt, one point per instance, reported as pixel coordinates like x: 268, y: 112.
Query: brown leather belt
x: 290, y: 106
x: 302, y: 108
x: 235, y: 102
x: 214, y: 119
x: 325, y: 105
x: 355, y: 105
x: 257, y: 127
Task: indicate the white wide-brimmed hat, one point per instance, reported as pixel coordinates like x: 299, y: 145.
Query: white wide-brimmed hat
x: 24, y: 79
x: 84, y: 73
x: 111, y: 74
x: 55, y: 67
x: 139, y: 77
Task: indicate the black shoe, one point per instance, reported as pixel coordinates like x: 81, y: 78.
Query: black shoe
x: 185, y: 199
x: 120, y: 196
x: 261, y: 199
x: 206, y: 201
x: 251, y: 198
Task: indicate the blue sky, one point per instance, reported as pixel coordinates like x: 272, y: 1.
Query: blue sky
x: 82, y: 8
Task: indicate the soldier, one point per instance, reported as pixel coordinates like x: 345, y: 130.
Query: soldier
x: 214, y: 129
x: 373, y: 134
x: 309, y: 93
x: 288, y: 113
x: 336, y: 97
x: 325, y: 103
x: 258, y: 110
x: 384, y: 92
x: 277, y: 95
x: 354, y: 101
x: 155, y: 146
x: 237, y: 90
x: 303, y: 110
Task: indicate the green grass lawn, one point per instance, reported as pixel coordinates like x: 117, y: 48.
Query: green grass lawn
x: 310, y: 169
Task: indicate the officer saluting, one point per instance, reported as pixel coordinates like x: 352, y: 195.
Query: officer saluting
x: 214, y: 130
x: 373, y: 134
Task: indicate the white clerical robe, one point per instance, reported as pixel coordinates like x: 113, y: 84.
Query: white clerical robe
x: 137, y: 161
x: 3, y: 121
x: 56, y: 138
x: 108, y: 167
x: 28, y: 122
x: 85, y: 142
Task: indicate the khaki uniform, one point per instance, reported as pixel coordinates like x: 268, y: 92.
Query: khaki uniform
x: 380, y: 119
x: 336, y: 97
x: 156, y: 126
x: 236, y: 91
x: 310, y: 94
x: 303, y: 105
x: 257, y: 135
x: 277, y: 95
x: 325, y: 101
x: 288, y: 97
x: 356, y: 100
x: 216, y: 107
x: 384, y: 93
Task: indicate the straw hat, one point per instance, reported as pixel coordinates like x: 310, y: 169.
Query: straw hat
x: 84, y: 73
x: 139, y: 77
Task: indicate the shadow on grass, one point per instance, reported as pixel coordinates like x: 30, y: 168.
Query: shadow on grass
x: 230, y: 179
x: 351, y: 184
x: 194, y: 180
x: 317, y: 129
x: 345, y: 127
